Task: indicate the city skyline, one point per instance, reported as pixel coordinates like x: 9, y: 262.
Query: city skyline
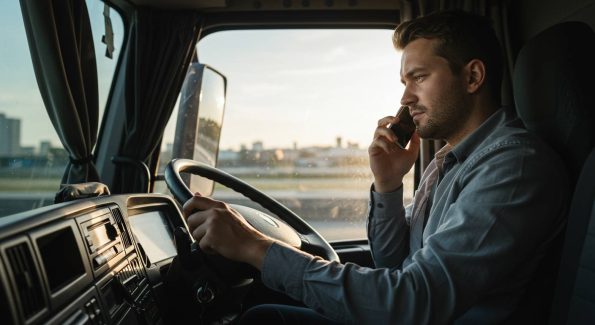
x: 10, y: 129
x: 10, y: 136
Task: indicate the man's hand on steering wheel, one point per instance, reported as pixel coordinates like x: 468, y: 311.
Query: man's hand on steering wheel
x: 284, y: 227
x: 219, y: 229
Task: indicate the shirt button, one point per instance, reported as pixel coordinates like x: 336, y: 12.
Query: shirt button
x: 380, y: 205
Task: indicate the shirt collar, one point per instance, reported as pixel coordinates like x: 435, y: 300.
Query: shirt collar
x: 441, y: 154
x: 465, y: 148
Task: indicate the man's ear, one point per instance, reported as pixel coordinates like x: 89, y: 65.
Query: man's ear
x: 475, y: 74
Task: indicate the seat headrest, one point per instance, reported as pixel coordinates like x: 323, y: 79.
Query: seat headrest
x: 554, y: 90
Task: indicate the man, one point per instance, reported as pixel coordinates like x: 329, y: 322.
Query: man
x: 485, y: 213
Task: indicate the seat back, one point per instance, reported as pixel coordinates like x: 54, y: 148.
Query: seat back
x: 555, y: 98
x: 574, y: 302
x: 554, y: 91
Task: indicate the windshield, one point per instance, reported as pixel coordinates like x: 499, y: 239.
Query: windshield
x: 301, y: 109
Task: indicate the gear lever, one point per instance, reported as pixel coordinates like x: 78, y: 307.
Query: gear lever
x: 186, y: 249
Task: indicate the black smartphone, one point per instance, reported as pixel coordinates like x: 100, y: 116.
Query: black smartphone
x: 404, y: 128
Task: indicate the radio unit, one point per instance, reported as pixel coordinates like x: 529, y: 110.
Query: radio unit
x: 102, y: 238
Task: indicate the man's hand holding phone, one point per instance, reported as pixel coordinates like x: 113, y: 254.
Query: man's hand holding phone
x: 390, y: 158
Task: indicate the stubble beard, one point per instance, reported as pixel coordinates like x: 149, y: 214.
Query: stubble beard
x: 445, y: 119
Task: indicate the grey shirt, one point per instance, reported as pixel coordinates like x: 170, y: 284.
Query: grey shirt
x: 500, y: 200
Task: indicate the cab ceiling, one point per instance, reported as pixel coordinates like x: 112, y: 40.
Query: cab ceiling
x: 267, y: 14
x: 269, y: 5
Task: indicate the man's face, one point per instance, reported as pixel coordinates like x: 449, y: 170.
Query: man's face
x: 436, y: 97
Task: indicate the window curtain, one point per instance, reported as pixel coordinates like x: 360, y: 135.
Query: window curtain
x: 161, y: 44
x: 498, y: 12
x: 63, y: 55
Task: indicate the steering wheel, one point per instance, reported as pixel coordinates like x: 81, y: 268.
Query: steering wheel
x: 285, y: 226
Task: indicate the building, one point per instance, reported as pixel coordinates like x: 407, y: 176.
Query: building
x: 257, y: 146
x: 10, y: 136
x: 44, y: 148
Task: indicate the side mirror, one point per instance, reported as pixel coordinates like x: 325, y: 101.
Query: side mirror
x: 199, y: 121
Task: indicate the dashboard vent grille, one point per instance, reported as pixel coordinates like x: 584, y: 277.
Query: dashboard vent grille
x: 131, y: 276
x: 26, y: 279
x: 120, y: 221
x: 5, y: 313
x: 138, y: 268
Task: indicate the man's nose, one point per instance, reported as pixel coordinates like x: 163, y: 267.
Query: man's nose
x: 408, y: 98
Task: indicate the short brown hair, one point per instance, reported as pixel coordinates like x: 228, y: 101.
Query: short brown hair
x: 462, y: 37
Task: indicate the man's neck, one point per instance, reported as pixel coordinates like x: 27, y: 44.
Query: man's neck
x: 480, y: 113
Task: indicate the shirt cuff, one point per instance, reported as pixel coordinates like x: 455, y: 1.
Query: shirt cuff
x: 383, y: 205
x: 283, y: 269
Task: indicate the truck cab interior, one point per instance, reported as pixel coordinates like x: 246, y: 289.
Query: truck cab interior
x: 113, y: 113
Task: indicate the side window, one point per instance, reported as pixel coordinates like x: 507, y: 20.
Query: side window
x: 32, y: 158
x: 105, y: 66
x: 301, y: 110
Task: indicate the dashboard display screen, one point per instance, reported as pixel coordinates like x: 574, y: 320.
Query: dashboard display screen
x: 152, y: 231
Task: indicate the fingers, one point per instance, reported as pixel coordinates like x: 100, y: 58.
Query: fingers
x: 200, y: 234
x: 201, y: 224
x: 385, y: 121
x: 382, y: 130
x: 205, y: 246
x: 382, y: 144
x: 384, y: 138
x: 200, y: 203
x: 198, y: 210
x: 196, y: 219
x: 385, y: 132
x: 199, y: 231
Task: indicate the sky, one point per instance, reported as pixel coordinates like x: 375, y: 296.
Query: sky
x: 284, y: 86
x: 19, y: 93
x: 304, y: 86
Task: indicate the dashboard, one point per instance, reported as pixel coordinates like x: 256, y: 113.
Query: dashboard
x: 92, y: 261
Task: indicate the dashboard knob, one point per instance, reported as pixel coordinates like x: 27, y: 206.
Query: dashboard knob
x: 204, y: 294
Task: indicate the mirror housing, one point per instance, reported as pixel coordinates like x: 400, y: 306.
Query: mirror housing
x: 199, y: 121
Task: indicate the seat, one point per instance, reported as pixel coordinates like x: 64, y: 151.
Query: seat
x: 555, y: 98
x: 574, y: 302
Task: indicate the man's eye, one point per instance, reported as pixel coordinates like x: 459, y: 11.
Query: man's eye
x: 419, y: 78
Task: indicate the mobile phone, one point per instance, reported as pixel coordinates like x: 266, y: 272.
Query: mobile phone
x: 404, y: 128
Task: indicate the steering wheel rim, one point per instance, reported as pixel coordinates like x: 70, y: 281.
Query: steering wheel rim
x: 311, y: 240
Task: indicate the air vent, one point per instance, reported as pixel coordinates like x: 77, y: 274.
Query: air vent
x: 5, y: 314
x: 138, y: 268
x: 26, y: 279
x: 123, y: 233
x: 131, y: 276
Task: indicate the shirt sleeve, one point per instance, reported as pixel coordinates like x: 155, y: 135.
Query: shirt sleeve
x: 498, y: 226
x: 387, y: 229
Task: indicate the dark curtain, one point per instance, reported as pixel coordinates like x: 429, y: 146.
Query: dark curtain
x: 63, y: 55
x: 161, y: 44
x: 498, y: 12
